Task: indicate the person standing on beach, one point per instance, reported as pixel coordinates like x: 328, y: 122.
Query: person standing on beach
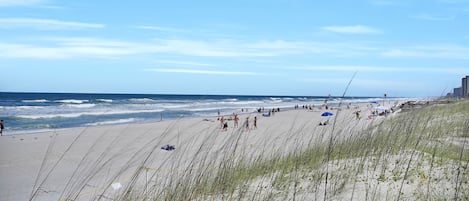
x: 2, y: 126
x: 255, y: 122
x: 236, y: 118
x: 247, y: 123
x: 222, y: 121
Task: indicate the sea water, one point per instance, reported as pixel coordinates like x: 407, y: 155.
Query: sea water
x: 29, y: 112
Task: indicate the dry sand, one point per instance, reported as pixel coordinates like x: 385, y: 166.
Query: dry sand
x: 82, y: 163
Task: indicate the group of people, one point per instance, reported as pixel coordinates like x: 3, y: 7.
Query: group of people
x: 307, y: 107
x: 235, y: 118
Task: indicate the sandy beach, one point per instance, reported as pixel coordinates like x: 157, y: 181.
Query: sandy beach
x: 366, y: 158
x: 83, y: 163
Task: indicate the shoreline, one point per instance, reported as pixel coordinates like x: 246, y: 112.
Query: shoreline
x: 8, y: 132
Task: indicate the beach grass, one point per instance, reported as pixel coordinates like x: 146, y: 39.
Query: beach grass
x: 410, y: 139
x: 419, y: 154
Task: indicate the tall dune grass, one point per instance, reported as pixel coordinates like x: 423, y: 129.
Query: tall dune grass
x: 421, y: 154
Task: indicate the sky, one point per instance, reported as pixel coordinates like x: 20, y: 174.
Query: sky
x: 404, y: 48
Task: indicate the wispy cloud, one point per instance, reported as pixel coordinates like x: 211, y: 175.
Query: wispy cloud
x: 205, y: 72
x: 347, y: 68
x: 44, y: 24
x: 433, y: 17
x: 185, y: 63
x: 64, y: 52
x: 8, y: 3
x: 429, y: 51
x: 403, y: 69
x: 53, y: 48
x: 78, y: 47
x: 159, y: 28
x: 357, y: 29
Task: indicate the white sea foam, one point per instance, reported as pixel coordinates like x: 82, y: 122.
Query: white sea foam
x: 84, y: 105
x: 78, y: 114
x: 74, y: 101
x: 119, y: 121
x: 35, y: 101
x: 104, y: 100
x: 230, y: 99
x: 141, y: 100
x: 24, y: 107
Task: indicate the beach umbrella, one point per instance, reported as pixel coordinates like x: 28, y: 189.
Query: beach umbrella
x: 375, y: 102
x: 326, y: 114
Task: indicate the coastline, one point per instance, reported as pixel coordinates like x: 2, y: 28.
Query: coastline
x: 43, y: 112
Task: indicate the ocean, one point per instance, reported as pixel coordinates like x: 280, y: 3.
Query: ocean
x: 32, y: 112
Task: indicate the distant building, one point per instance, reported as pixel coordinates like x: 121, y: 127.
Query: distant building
x: 464, y: 87
x: 457, y: 92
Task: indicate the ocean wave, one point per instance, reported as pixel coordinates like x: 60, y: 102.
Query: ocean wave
x: 104, y: 100
x: 119, y: 121
x: 73, y: 101
x: 230, y: 99
x: 78, y: 114
x: 85, y: 105
x: 35, y: 101
x: 40, y: 126
x: 24, y: 107
x: 141, y: 100
x: 247, y: 103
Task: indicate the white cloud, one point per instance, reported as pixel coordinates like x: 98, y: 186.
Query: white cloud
x: 404, y: 69
x: 344, y: 68
x: 206, y: 72
x: 7, y: 3
x: 44, y: 24
x: 38, y: 52
x: 433, y: 18
x: 52, y: 48
x: 158, y: 28
x: 357, y: 29
x: 429, y: 51
x: 78, y: 47
x: 185, y: 63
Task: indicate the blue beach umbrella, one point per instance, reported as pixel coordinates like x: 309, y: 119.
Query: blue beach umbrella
x: 326, y: 114
x: 376, y: 102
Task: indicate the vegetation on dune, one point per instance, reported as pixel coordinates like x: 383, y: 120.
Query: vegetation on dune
x: 420, y: 154
x: 405, y: 142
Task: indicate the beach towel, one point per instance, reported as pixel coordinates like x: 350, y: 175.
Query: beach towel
x: 168, y: 147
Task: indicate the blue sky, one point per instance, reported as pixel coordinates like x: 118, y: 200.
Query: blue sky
x: 413, y: 48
